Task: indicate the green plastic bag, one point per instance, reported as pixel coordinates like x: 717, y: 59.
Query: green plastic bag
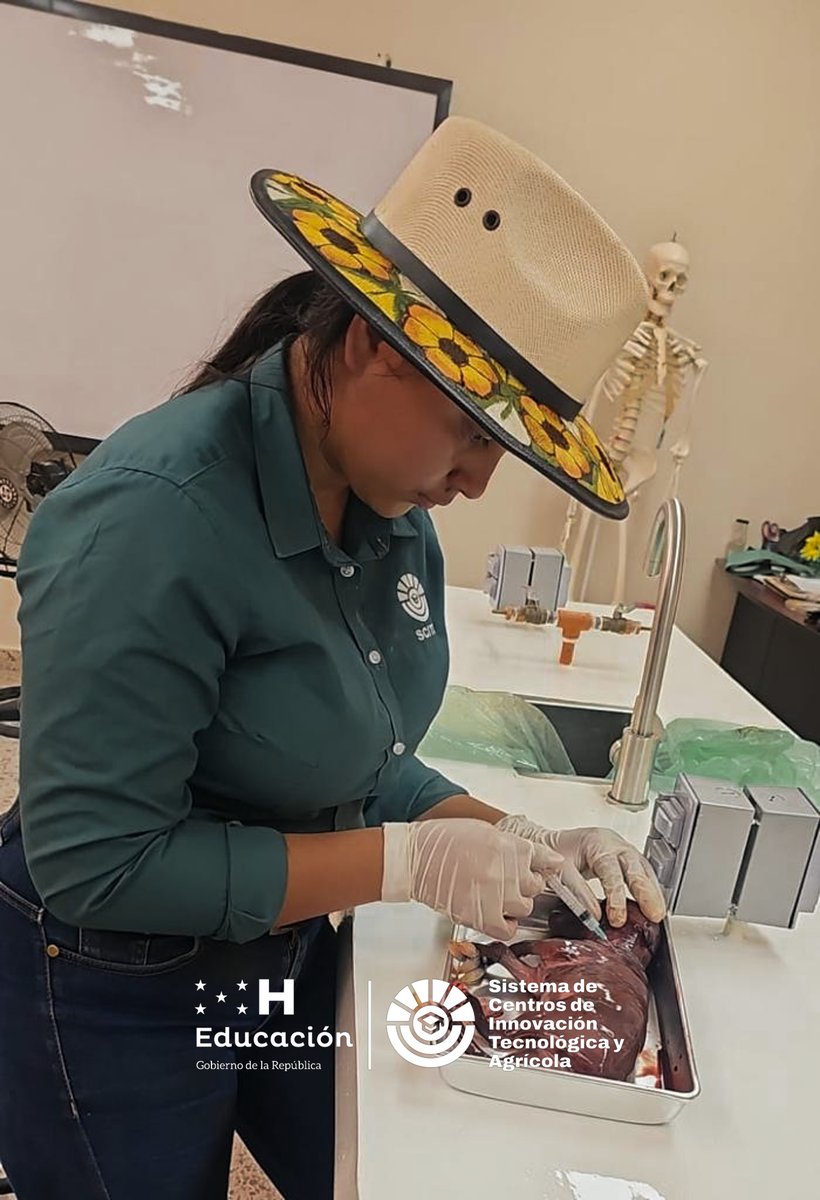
x: 495, y: 728
x: 743, y: 754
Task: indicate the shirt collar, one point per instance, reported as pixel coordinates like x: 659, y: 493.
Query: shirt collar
x: 292, y: 519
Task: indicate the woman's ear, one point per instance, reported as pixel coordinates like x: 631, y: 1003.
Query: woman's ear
x: 395, y: 363
x: 365, y: 349
x: 361, y: 346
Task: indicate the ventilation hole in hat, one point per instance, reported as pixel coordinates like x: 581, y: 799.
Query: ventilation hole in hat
x: 463, y: 197
x: 491, y: 219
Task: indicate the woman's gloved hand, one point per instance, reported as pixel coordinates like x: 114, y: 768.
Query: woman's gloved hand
x: 471, y: 870
x: 601, y: 853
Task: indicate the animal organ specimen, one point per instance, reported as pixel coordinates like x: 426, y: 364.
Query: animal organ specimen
x: 615, y: 969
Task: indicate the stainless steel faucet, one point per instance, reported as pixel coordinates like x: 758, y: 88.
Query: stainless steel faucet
x: 630, y: 787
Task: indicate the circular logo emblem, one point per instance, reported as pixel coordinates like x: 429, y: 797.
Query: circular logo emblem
x: 8, y: 493
x: 412, y: 598
x: 430, y: 1023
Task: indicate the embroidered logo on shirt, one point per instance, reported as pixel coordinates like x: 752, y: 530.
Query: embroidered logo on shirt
x: 412, y: 598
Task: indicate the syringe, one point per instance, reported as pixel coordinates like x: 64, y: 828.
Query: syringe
x: 574, y: 905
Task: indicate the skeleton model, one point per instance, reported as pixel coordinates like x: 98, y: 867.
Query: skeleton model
x: 648, y: 381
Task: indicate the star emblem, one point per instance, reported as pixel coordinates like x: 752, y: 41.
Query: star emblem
x: 243, y: 1008
x: 221, y: 997
x: 200, y: 986
x: 200, y: 1008
x: 242, y: 985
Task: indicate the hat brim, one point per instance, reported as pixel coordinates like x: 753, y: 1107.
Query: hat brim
x: 327, y: 233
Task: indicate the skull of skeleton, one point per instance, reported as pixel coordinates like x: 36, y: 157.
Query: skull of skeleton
x: 667, y: 270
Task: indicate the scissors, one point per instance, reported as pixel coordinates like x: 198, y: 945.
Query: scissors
x: 770, y: 531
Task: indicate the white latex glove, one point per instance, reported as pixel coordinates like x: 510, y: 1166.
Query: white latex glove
x: 601, y: 853
x: 469, y: 869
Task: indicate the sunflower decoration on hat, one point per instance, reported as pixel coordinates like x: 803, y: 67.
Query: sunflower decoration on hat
x: 493, y: 277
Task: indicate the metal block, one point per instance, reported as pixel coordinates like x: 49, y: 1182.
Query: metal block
x: 780, y: 854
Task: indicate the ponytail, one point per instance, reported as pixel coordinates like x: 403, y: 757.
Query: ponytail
x: 301, y: 304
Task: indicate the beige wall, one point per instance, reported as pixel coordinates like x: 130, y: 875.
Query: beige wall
x: 697, y: 120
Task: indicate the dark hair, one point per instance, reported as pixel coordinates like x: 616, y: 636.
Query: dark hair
x: 301, y: 304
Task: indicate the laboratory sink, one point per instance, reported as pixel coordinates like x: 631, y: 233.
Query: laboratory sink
x: 586, y: 731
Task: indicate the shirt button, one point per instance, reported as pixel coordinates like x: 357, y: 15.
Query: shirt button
x: 375, y: 657
x: 347, y: 570
x: 399, y: 748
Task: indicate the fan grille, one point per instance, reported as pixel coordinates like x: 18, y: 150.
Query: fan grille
x: 33, y: 460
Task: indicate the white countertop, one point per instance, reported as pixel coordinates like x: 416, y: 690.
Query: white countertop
x: 751, y: 994
x: 490, y: 653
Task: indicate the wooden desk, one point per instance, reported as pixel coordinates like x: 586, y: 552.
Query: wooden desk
x: 775, y: 655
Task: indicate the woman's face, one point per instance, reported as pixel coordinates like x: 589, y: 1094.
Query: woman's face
x: 396, y: 438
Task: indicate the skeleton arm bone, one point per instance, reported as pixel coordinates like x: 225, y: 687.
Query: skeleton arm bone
x: 688, y: 355
x: 680, y: 449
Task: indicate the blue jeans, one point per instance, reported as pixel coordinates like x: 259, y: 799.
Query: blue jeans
x: 104, y: 1092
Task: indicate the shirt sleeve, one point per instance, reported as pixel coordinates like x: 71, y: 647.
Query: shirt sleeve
x: 127, y: 617
x: 414, y: 789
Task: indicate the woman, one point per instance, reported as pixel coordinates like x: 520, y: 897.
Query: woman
x: 233, y: 640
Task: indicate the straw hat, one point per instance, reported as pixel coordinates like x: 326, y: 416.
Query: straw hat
x: 492, y: 276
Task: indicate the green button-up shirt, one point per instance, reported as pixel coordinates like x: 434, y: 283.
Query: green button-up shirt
x: 204, y: 670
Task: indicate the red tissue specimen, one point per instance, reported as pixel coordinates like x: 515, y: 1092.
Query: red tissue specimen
x: 621, y: 996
